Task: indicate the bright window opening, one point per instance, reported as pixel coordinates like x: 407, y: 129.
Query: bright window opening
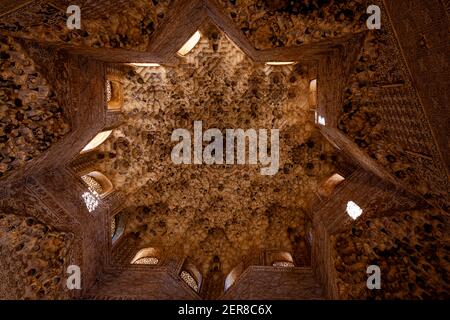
x: 98, y: 186
x: 190, y: 44
x: 91, y: 200
x: 353, y: 210
x: 280, y: 63
x: 98, y: 140
x: 232, y: 276
x: 154, y: 65
x: 320, y: 119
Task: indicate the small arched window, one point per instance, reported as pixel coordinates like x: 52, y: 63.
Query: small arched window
x: 97, y: 183
x: 280, y: 63
x: 114, y: 94
x: 313, y: 93
x: 328, y: 187
x: 320, y: 119
x: 282, y: 260
x: 190, y: 44
x: 191, y: 276
x: 148, y: 256
x: 353, y: 210
x: 98, y: 140
x: 117, y: 227
x: 91, y: 200
x: 233, y: 276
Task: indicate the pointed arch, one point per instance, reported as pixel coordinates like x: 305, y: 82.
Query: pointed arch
x: 191, y: 276
x: 233, y: 276
x: 282, y: 259
x: 98, y: 183
x: 97, y: 140
x: 149, y: 256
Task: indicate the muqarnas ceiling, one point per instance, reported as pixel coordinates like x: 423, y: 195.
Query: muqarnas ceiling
x: 217, y: 210
x: 31, y: 117
x: 130, y: 25
x: 284, y: 23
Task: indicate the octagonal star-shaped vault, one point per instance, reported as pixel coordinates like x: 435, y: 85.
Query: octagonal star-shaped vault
x: 179, y: 219
x: 225, y: 211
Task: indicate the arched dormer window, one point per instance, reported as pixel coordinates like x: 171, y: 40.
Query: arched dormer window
x: 97, y: 183
x: 190, y: 44
x: 282, y: 260
x: 328, y: 187
x: 280, y: 63
x: 312, y: 100
x: 233, y: 276
x: 98, y: 140
x: 148, y: 256
x: 114, y: 94
x: 191, y: 276
x: 313, y: 93
x: 117, y: 227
